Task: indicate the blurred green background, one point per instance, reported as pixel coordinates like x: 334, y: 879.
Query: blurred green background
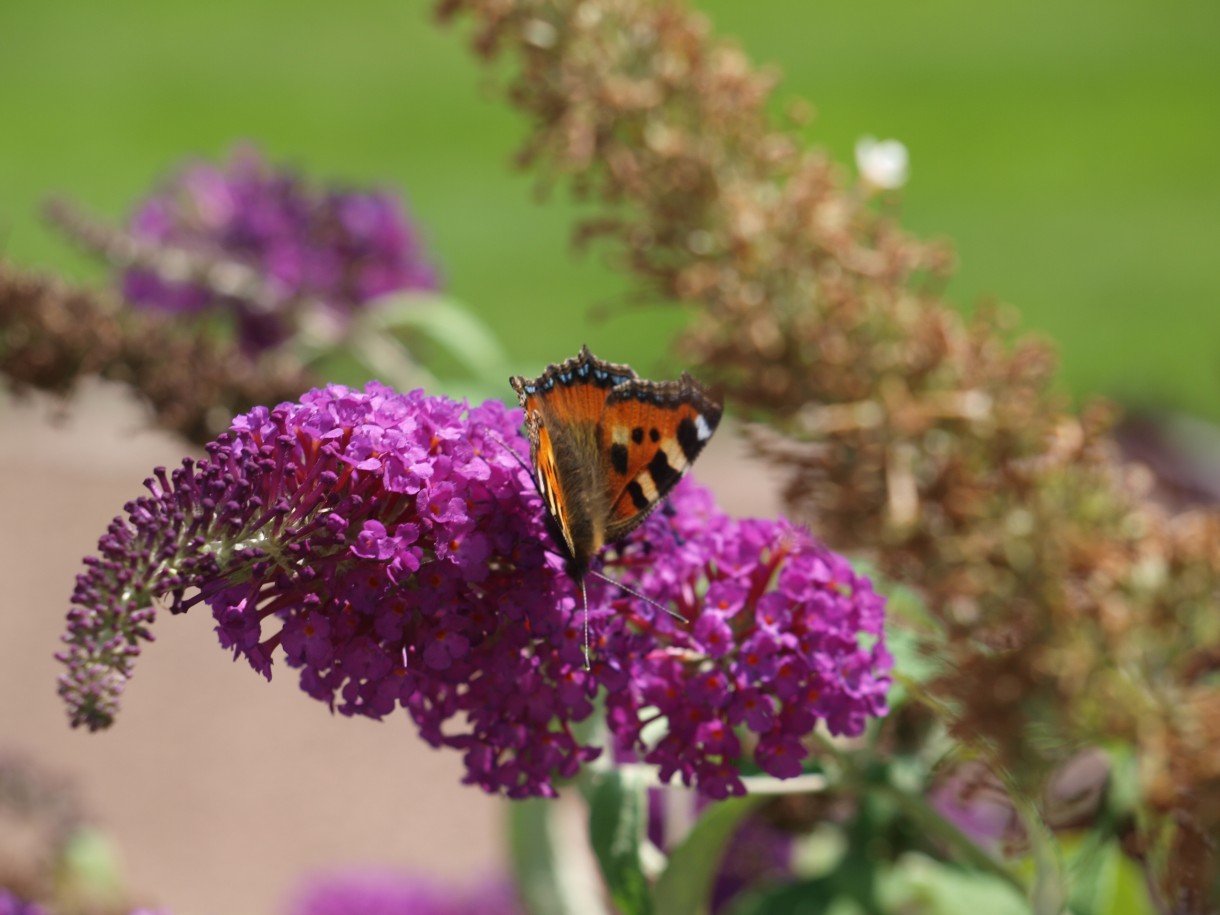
x: 1069, y: 150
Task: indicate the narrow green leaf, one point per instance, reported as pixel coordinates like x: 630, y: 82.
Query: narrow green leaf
x: 618, y: 819
x: 683, y: 888
x: 1104, y: 881
x: 1130, y: 890
x: 1048, y: 894
x: 909, y: 629
x: 389, y: 361
x: 550, y: 872
x: 447, y: 322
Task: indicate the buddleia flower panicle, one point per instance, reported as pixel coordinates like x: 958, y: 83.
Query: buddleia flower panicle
x: 392, y: 550
x: 336, y: 249
x: 381, y: 545
x: 783, y: 635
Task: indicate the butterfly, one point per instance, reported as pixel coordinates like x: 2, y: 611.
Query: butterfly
x: 607, y: 447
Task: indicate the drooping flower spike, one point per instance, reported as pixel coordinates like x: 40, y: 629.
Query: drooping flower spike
x: 393, y: 551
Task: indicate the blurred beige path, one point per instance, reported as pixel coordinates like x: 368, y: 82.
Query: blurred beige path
x: 220, y: 790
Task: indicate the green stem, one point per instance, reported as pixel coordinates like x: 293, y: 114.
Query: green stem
x: 1049, y: 894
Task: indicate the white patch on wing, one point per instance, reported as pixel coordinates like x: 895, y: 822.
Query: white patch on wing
x: 647, y: 486
x: 673, y: 453
x: 702, y: 430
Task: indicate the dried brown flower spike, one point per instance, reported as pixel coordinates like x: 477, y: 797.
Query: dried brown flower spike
x: 1073, y: 611
x: 53, y: 334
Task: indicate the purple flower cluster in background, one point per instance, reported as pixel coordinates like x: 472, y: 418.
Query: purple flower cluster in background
x: 401, y: 894
x: 974, y: 801
x: 392, y: 549
x: 330, y: 248
x: 12, y: 904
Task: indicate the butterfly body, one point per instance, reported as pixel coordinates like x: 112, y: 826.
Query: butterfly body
x: 608, y: 446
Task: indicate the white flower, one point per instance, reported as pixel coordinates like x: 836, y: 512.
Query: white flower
x: 882, y: 163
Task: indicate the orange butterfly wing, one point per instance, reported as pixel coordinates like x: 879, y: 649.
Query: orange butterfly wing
x: 607, y: 446
x: 651, y: 434
x: 563, y: 410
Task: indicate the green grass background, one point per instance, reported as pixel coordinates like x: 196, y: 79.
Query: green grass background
x: 1070, y: 150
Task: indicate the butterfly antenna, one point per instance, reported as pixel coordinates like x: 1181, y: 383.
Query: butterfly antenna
x: 636, y: 594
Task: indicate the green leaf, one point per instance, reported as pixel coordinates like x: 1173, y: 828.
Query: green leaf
x: 618, y: 820
x: 909, y: 628
x: 1104, y: 881
x: 686, y: 883
x: 388, y: 360
x: 89, y: 868
x: 804, y: 897
x: 447, y: 322
x: 1130, y: 889
x: 1092, y: 870
x: 550, y: 872
x: 919, y: 884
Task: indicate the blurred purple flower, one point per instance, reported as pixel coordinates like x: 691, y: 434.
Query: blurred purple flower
x: 400, y: 894
x: 395, y: 553
x: 757, y: 855
x: 336, y: 249
x: 11, y: 904
x: 974, y: 801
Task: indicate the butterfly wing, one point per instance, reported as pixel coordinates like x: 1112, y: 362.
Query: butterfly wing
x: 563, y: 411
x: 651, y: 433
x: 550, y: 487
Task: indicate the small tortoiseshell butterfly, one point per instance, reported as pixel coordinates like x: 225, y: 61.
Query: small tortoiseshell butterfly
x: 608, y: 446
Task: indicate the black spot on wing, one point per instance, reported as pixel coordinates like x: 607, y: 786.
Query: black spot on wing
x: 663, y: 476
x: 688, y: 438
x: 618, y: 458
x: 637, y: 435
x: 636, y: 491
x: 655, y: 434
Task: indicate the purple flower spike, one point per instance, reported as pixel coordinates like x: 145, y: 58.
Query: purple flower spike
x: 292, y: 532
x: 782, y: 634
x: 393, y: 550
x: 338, y: 249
